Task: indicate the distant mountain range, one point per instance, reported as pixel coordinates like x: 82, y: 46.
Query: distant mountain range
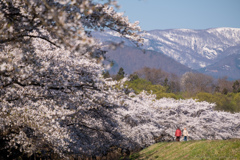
x: 228, y: 66
x: 133, y: 59
x: 215, y: 52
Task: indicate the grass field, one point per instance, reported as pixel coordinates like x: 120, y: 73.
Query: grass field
x: 191, y: 150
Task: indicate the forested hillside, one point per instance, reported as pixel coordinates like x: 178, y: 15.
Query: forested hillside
x: 134, y: 58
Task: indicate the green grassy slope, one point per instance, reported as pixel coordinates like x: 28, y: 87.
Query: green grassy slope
x: 192, y: 150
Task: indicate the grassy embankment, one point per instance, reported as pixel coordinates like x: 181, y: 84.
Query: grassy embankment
x: 191, y: 150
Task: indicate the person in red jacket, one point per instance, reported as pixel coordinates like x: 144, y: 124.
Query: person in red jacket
x: 178, y: 134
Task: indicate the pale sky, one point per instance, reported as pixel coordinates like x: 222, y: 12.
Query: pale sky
x: 189, y: 14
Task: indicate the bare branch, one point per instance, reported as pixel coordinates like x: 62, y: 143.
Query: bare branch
x: 30, y: 36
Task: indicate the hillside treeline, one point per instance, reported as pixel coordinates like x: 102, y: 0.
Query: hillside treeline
x: 225, y: 93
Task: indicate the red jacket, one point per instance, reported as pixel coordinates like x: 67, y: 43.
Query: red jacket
x: 178, y: 133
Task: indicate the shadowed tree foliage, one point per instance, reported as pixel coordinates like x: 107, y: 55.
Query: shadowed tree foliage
x: 236, y: 87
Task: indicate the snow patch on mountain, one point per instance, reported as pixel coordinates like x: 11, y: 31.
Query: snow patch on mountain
x: 209, y: 53
x: 114, y: 33
x: 228, y: 33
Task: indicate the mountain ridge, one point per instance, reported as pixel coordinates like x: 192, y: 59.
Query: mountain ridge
x: 133, y: 59
x: 196, y: 49
x: 227, y: 65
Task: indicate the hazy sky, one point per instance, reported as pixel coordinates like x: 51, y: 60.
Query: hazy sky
x: 189, y: 14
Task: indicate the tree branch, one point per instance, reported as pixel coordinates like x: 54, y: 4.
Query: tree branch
x: 94, y: 129
x: 31, y: 36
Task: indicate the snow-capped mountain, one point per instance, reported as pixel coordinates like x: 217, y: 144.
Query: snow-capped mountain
x: 195, y: 49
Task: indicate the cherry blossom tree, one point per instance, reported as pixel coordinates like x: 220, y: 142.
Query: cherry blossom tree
x: 50, y: 75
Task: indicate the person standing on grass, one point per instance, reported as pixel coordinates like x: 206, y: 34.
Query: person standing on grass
x: 185, y: 134
x: 178, y: 134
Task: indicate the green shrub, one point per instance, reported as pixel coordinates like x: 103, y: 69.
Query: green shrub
x: 224, y: 102
x: 236, y: 102
x: 138, y: 85
x: 167, y: 95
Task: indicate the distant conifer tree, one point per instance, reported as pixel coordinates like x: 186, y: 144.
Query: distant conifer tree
x: 120, y: 73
